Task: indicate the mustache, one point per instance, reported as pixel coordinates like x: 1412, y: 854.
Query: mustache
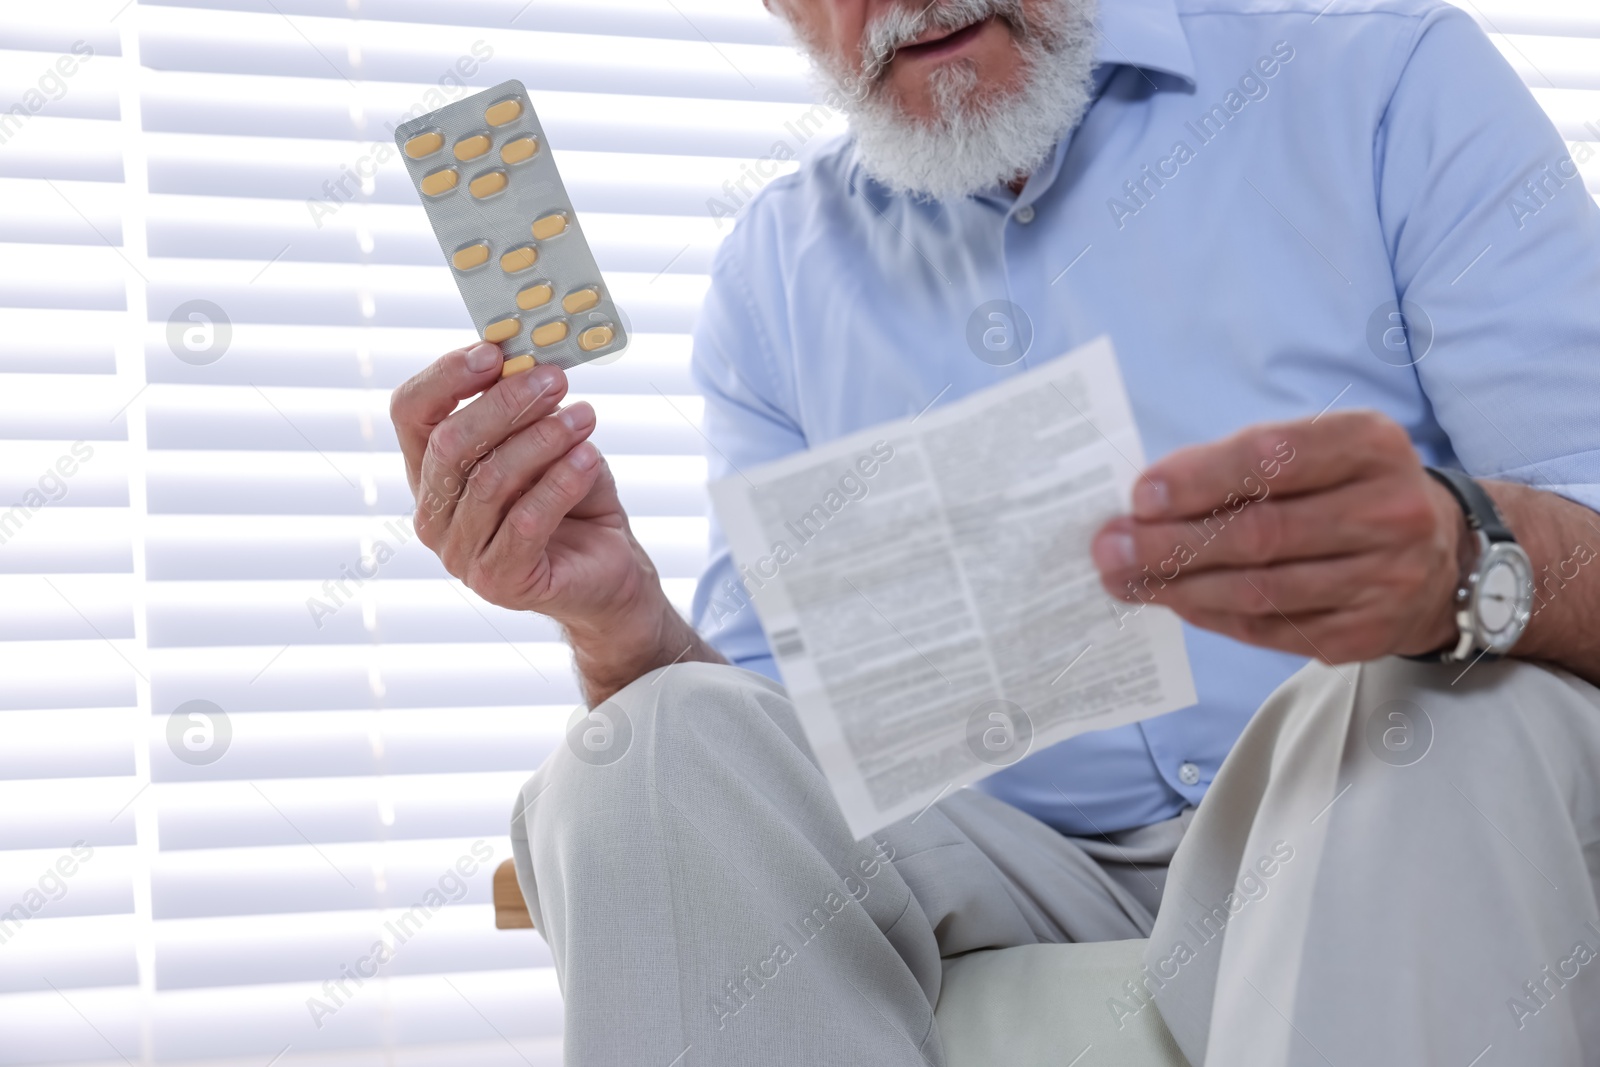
x: 900, y: 26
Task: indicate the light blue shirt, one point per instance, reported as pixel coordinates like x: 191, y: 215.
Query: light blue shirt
x: 1254, y: 188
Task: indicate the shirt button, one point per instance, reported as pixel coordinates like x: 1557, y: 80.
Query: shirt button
x: 1189, y: 774
x: 1024, y: 214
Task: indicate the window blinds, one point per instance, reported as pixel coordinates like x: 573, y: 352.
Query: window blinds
x: 250, y: 728
x: 281, y: 734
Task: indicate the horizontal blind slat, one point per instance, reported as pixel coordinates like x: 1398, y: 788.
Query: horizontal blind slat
x: 684, y: 20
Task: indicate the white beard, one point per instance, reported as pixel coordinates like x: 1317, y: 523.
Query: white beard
x: 979, y: 139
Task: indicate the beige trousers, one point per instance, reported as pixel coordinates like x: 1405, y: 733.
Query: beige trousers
x: 1398, y: 863
x: 1394, y: 866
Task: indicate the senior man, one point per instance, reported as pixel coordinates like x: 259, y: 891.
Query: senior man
x: 1338, y: 234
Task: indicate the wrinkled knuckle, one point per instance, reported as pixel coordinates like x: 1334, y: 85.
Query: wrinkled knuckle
x: 428, y: 463
x: 478, y: 578
x: 1252, y: 538
x: 430, y: 503
x: 503, y: 401
x: 400, y: 403
x: 526, y: 521
x: 534, y: 441
x: 516, y: 399
x: 565, y: 480
x: 437, y: 485
x: 447, y: 442
x: 488, y: 476
x: 551, y: 435
x: 1263, y: 532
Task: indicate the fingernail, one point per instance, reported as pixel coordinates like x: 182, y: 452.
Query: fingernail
x: 576, y: 417
x: 585, y: 456
x: 540, y: 380
x: 1150, y: 498
x: 1113, y: 552
x: 482, y: 356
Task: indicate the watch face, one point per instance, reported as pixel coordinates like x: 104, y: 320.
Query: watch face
x: 1503, y: 597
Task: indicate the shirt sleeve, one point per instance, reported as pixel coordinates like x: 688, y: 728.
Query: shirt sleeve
x: 1495, y: 243
x: 747, y: 422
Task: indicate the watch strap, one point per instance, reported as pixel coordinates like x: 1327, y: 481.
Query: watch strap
x: 1476, y: 503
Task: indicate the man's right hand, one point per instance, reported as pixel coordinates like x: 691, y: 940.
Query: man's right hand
x: 520, y: 505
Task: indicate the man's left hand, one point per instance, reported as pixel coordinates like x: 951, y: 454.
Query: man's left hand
x: 1322, y: 536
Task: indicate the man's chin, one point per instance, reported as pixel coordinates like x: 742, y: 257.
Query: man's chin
x: 954, y: 93
x: 978, y: 139
x: 982, y: 134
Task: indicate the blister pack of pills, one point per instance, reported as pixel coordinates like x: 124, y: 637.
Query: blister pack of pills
x: 483, y: 170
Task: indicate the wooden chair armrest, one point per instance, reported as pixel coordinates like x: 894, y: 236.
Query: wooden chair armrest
x: 510, y: 910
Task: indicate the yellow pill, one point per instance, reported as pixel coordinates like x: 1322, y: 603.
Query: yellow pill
x: 534, y: 296
x: 471, y: 256
x: 519, y: 259
x: 549, y: 333
x: 488, y: 184
x: 580, y: 300
x: 503, y: 112
x: 520, y: 149
x: 424, y: 144
x: 595, y: 337
x: 549, y: 226
x: 472, y: 147
x: 440, y: 181
x: 515, y: 365
x: 501, y: 329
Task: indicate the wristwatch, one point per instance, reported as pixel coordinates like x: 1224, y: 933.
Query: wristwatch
x: 1494, y: 598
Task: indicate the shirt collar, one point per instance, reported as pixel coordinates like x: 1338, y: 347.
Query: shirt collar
x: 1146, y: 34
x: 1143, y: 34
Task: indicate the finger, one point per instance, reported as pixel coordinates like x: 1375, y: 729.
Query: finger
x: 1284, y: 458
x: 1351, y: 519
x: 462, y: 440
x: 507, y: 472
x: 602, y: 503
x: 1263, y: 631
x: 1332, y: 637
x: 533, y: 520
x: 427, y: 398
x: 1293, y: 589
